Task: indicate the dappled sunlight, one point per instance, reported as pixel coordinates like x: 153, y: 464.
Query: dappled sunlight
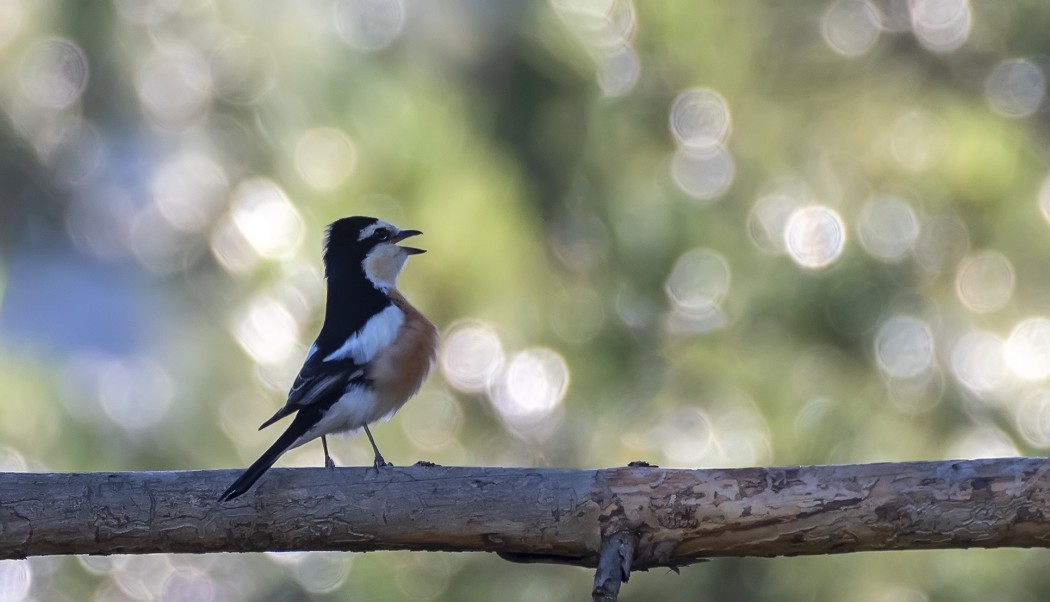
x: 54, y: 73
x: 266, y: 330
x: 887, y: 228
x: 1015, y: 88
x: 471, y: 356
x: 532, y: 385
x: 851, y: 27
x: 985, y: 281
x: 369, y: 25
x: 699, y: 281
x: 267, y: 219
x: 982, y: 442
x: 438, y: 428
x: 700, y: 119
x: 977, y: 362
x: 942, y: 243
x: 728, y: 432
x: 1033, y: 418
x: 322, y: 572
x: 904, y: 347
x: 696, y: 288
x: 700, y: 122
x: 132, y: 393
x: 941, y: 25
x: 174, y: 85
x: 1028, y: 349
x: 699, y: 235
x: 16, y: 579
x: 189, y: 190
x: 814, y: 236
x: 607, y: 29
x: 324, y: 157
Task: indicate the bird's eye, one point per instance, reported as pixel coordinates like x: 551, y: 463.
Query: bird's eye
x: 382, y: 234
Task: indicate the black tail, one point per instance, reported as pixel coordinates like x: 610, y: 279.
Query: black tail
x: 265, y: 461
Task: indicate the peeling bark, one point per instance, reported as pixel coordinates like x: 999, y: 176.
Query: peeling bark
x: 614, y: 566
x: 673, y: 517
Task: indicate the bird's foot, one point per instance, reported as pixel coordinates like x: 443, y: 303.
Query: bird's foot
x: 328, y: 462
x: 380, y: 463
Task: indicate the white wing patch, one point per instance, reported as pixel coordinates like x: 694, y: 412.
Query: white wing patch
x: 377, y: 333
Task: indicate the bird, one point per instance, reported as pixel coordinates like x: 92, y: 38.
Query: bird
x: 372, y: 354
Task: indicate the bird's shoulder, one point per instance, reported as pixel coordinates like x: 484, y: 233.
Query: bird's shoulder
x: 345, y: 345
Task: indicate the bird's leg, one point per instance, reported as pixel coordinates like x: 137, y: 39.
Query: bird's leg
x: 380, y: 462
x: 328, y: 463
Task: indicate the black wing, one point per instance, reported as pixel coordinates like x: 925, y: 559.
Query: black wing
x: 319, y: 381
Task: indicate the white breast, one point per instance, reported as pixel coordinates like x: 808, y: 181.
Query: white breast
x: 377, y: 334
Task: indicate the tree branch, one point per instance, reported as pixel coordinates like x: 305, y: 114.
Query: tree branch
x: 614, y: 566
x: 671, y: 517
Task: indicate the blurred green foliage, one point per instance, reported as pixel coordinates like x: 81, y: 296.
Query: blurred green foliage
x: 696, y: 233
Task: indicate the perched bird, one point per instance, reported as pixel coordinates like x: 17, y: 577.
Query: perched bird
x: 372, y: 354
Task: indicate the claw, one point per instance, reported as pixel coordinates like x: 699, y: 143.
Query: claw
x: 380, y: 463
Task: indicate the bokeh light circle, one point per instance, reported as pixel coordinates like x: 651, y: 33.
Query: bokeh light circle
x: 814, y: 236
x: 1033, y: 418
x: 619, y: 72
x: 700, y: 119
x: 471, y: 356
x: 1015, y: 88
x: 767, y: 221
x: 175, y: 84
x: 904, y: 347
x: 704, y: 175
x: 54, y: 73
x: 189, y: 191
x: 324, y: 157
x: 369, y: 25
x: 699, y: 281
x: 531, y: 386
x: 851, y: 27
x: 985, y: 281
x: 266, y: 330
x: 887, y: 228
x: 686, y: 438
x: 16, y: 580
x: 978, y: 362
x: 1028, y: 349
x: 941, y: 25
x: 943, y: 242
x: 267, y: 218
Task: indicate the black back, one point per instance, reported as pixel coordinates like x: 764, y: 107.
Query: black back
x: 352, y: 298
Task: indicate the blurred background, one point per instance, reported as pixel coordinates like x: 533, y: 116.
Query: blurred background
x: 701, y: 234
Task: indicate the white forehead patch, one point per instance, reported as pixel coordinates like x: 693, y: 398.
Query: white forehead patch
x: 370, y: 230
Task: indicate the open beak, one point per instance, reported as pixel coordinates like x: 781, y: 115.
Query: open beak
x: 402, y: 235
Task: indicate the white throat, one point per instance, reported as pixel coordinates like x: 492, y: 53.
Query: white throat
x: 383, y: 264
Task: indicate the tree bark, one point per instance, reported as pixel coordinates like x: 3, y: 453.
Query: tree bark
x: 672, y: 517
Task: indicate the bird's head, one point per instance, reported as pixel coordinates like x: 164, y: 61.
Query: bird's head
x: 369, y: 245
